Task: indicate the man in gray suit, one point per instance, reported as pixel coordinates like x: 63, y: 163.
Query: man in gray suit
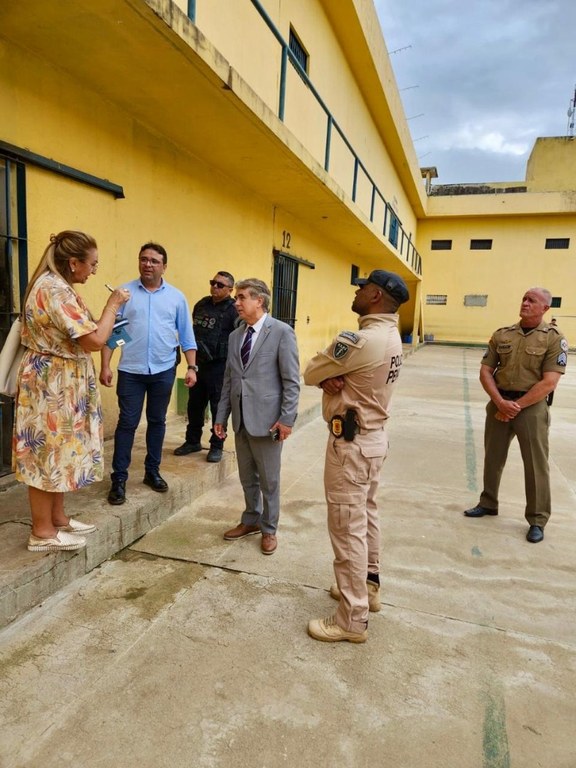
x: 261, y: 389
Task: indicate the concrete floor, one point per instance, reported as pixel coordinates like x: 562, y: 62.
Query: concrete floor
x: 186, y: 650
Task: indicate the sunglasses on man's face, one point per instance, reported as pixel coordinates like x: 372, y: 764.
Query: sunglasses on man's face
x: 218, y: 284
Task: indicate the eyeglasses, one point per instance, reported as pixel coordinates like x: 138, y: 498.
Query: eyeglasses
x: 154, y: 262
x: 218, y: 284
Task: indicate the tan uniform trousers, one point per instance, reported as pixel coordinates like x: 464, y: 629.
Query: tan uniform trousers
x: 531, y: 428
x: 351, y: 477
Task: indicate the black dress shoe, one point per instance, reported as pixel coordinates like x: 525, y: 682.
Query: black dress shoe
x: 535, y: 534
x: 117, y: 493
x: 214, y: 455
x: 186, y: 448
x: 480, y: 511
x: 155, y: 482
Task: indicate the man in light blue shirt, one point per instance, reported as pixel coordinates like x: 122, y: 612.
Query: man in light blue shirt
x: 158, y: 323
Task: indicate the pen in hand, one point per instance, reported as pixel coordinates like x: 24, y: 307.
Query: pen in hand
x: 109, y: 287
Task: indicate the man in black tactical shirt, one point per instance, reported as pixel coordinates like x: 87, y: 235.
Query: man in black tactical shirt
x: 214, y: 318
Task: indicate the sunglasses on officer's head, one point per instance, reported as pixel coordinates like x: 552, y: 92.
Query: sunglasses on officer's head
x: 218, y: 284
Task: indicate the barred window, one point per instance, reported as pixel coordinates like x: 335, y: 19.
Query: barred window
x: 480, y: 245
x: 393, y: 231
x: 441, y: 245
x: 557, y: 242
x: 556, y: 301
x: 436, y: 298
x: 354, y: 273
x: 476, y: 300
x: 298, y: 50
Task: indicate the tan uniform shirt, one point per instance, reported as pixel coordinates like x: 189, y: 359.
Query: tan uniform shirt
x: 370, y: 359
x: 520, y: 359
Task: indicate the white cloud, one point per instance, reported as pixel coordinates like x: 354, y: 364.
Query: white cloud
x: 490, y: 77
x: 475, y: 137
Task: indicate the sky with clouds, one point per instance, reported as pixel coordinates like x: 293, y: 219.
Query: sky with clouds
x: 491, y: 77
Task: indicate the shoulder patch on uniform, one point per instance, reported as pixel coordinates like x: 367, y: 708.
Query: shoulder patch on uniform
x: 564, y: 345
x: 340, y: 350
x: 350, y: 335
x: 562, y: 359
x: 485, y: 354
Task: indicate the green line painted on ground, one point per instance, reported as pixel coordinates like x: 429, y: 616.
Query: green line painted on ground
x: 470, y: 450
x: 495, y: 740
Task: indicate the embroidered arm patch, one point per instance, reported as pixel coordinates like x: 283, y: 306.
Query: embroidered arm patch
x: 340, y: 350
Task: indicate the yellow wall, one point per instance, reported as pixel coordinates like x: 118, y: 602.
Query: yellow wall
x: 517, y: 261
x: 552, y: 164
x: 205, y: 219
x: 244, y: 40
x: 209, y: 171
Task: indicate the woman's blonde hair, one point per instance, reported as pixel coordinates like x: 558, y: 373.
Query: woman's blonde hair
x: 56, y: 258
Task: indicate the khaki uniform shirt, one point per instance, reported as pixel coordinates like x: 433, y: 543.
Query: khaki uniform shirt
x: 370, y: 359
x: 520, y: 359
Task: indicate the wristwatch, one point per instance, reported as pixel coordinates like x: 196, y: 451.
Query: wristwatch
x: 193, y: 368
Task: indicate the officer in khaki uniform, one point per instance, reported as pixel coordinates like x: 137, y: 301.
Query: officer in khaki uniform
x: 520, y: 370
x: 357, y: 373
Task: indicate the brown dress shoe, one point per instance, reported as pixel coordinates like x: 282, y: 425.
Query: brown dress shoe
x: 240, y: 531
x: 269, y: 543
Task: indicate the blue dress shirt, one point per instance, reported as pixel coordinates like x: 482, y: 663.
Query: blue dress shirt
x: 158, y: 322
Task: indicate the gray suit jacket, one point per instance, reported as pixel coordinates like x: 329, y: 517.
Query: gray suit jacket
x: 267, y: 390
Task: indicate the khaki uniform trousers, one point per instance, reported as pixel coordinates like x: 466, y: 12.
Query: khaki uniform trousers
x: 531, y: 428
x: 351, y: 477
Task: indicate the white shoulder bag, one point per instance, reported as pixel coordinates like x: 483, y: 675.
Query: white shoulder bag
x: 10, y: 358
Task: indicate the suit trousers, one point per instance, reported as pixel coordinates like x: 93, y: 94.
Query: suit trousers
x: 259, y: 470
x: 531, y: 428
x: 131, y: 389
x: 351, y: 479
x: 206, y: 391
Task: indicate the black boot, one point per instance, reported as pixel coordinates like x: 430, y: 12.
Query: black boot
x: 117, y: 494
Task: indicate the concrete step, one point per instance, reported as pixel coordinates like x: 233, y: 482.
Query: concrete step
x: 28, y: 578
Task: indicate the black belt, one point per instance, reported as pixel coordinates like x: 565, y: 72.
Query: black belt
x: 511, y: 394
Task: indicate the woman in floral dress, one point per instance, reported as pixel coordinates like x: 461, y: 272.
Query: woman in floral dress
x: 58, y: 435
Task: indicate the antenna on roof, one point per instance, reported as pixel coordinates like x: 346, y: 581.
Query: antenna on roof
x: 398, y: 50
x: 571, y: 112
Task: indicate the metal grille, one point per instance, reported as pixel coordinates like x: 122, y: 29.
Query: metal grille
x: 13, y: 277
x: 475, y: 300
x: 393, y: 233
x: 285, y: 289
x: 298, y: 50
x: 436, y: 298
x: 557, y: 242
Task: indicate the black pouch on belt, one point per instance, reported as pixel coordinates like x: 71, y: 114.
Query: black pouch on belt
x: 350, y: 425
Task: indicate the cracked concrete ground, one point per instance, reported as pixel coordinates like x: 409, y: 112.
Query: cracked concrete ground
x: 186, y: 650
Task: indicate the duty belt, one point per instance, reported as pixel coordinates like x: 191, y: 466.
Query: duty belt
x: 511, y: 394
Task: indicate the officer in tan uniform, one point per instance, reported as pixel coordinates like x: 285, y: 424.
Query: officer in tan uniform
x: 357, y: 374
x: 520, y: 370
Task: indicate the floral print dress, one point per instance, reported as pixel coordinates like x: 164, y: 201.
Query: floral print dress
x: 58, y: 432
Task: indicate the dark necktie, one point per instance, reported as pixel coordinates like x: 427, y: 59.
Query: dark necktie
x: 245, y: 351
